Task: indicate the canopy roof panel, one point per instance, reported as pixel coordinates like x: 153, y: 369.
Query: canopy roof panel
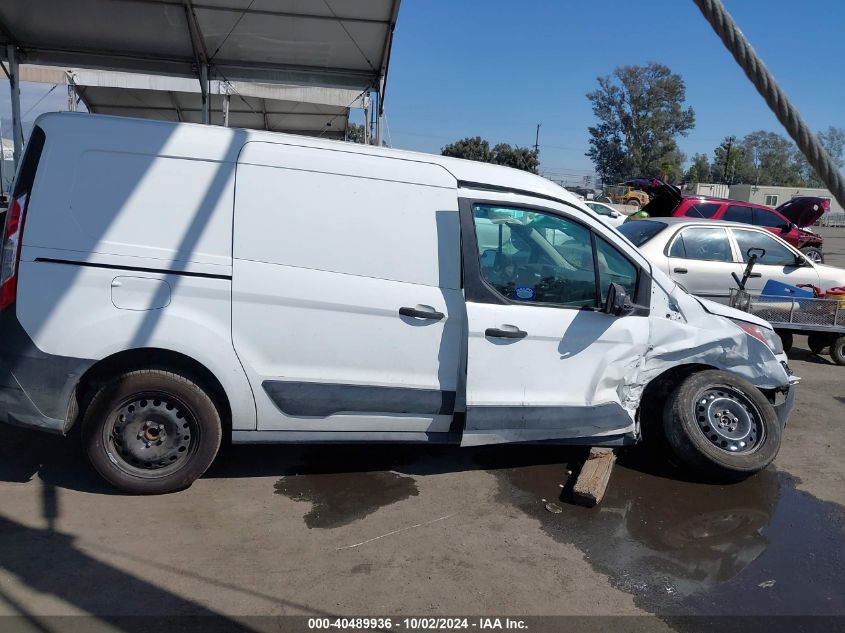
x: 311, y: 42
x: 279, y: 108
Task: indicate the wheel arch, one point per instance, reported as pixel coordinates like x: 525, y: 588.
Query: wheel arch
x: 147, y: 358
x: 650, y: 411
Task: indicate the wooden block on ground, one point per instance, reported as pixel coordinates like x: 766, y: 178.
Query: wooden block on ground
x: 595, y: 474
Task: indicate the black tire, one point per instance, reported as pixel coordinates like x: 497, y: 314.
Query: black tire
x: 817, y: 342
x: 814, y: 254
x: 151, y: 431
x: 706, y: 450
x: 837, y: 350
x: 785, y: 339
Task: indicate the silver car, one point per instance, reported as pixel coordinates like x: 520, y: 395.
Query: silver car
x: 700, y: 256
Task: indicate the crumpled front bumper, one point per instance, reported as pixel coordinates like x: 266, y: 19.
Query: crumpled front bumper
x: 784, y: 403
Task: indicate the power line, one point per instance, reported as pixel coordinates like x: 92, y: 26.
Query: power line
x: 35, y: 105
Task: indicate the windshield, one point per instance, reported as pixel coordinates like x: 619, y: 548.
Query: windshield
x: 641, y: 231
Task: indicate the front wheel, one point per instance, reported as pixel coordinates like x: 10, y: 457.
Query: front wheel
x: 151, y: 431
x: 721, y: 426
x: 814, y: 254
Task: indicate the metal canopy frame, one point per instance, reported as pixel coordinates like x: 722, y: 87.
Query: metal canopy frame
x: 329, y: 44
x: 274, y: 107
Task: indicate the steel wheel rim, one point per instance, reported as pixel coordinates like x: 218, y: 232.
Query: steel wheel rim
x: 150, y: 435
x: 729, y: 419
x: 814, y: 256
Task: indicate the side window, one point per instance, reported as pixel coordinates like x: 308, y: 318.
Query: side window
x: 768, y: 218
x: 614, y: 268
x: 702, y: 210
x: 737, y: 213
x: 706, y: 244
x: 776, y: 253
x: 535, y: 257
x: 771, y: 201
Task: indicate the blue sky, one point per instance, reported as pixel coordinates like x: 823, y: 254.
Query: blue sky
x: 496, y: 68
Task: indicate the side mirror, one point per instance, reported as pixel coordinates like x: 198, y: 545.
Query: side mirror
x: 617, y: 303
x: 785, y: 228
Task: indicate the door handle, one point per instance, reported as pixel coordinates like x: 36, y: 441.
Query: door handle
x: 680, y: 271
x: 495, y: 332
x: 755, y: 275
x: 432, y: 315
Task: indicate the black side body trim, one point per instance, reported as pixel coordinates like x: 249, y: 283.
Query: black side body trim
x: 314, y: 399
x: 137, y: 269
x: 36, y: 388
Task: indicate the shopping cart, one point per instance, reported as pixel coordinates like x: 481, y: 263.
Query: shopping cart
x: 822, y: 320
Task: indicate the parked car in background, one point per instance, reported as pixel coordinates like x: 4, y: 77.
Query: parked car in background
x: 788, y: 221
x: 608, y: 214
x: 627, y: 194
x: 700, y: 255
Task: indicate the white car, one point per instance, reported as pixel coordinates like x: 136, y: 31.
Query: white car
x: 294, y: 289
x: 700, y: 255
x: 609, y: 215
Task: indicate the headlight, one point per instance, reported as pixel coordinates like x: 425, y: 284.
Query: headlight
x: 763, y: 334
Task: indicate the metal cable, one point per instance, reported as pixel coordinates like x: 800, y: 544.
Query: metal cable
x: 732, y: 37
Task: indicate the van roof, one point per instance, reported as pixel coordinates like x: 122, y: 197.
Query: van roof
x: 212, y: 142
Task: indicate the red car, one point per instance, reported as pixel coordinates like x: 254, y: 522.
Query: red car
x: 786, y: 221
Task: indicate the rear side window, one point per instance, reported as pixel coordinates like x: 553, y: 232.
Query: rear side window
x: 702, y: 210
x: 704, y: 244
x: 768, y: 219
x: 738, y: 213
x: 641, y: 231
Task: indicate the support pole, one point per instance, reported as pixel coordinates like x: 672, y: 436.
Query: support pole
x: 206, y: 98
x: 226, y: 99
x: 15, y: 92
x: 366, y: 119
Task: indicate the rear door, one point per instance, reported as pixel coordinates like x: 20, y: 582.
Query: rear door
x: 778, y: 262
x: 701, y: 259
x: 544, y: 363
x: 347, y: 312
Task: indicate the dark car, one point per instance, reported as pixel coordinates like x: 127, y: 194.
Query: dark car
x: 788, y: 221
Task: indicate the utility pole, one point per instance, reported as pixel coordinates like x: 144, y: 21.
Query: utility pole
x: 731, y: 140
x: 537, y: 142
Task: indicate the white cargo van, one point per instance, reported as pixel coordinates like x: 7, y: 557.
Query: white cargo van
x: 164, y: 284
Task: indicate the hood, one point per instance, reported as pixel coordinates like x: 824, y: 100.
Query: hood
x: 720, y: 309
x: 804, y: 210
x: 664, y: 197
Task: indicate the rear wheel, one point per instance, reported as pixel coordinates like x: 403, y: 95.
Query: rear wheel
x: 814, y: 254
x: 151, y: 431
x: 721, y: 426
x: 633, y: 202
x: 818, y: 342
x: 837, y: 350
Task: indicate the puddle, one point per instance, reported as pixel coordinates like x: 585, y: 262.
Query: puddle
x: 340, y: 498
x: 759, y: 547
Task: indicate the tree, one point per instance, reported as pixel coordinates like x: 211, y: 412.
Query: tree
x: 470, y: 148
x: 640, y: 111
x: 355, y: 133
x: 699, y: 169
x: 730, y: 162
x: 476, y: 148
x: 833, y: 140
